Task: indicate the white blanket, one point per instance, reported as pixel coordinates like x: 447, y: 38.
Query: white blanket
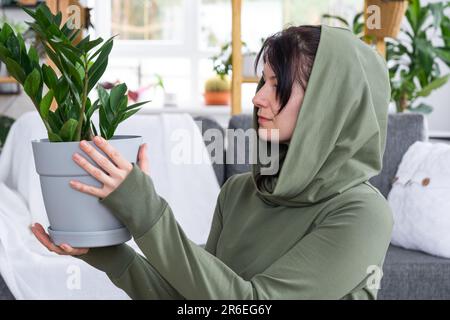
x: 29, y: 270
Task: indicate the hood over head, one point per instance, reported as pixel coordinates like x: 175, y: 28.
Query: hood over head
x: 340, y: 135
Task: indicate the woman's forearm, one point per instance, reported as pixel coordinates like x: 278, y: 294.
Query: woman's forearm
x: 131, y: 272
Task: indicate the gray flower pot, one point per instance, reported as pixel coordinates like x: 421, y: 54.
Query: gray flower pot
x: 76, y: 218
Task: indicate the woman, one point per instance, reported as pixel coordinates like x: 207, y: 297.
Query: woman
x: 315, y: 229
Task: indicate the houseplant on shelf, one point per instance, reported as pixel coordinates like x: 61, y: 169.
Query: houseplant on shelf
x: 218, y: 90
x: 218, y: 87
x: 414, y: 57
x: 75, y: 218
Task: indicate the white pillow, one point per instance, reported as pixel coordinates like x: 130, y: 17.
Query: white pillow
x: 420, y: 199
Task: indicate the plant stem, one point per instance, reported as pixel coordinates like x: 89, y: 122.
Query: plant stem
x: 84, y: 99
x: 403, y: 102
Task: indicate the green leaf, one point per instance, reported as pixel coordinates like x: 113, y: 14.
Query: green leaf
x: 413, y: 13
x: 58, y: 19
x: 423, y: 108
x: 53, y: 57
x: 68, y: 130
x: 12, y: 43
x: 129, y: 114
x: 338, y: 18
x: 22, y: 47
x: 45, y: 104
x: 55, y: 120
x: 107, y: 46
x: 33, y: 83
x: 94, y: 129
x: 122, y: 105
x: 437, y: 83
x: 83, y: 42
x: 5, y: 33
x: 68, y: 52
x: 62, y: 90
x: 88, y: 46
x: 105, y: 108
x: 116, y: 96
x: 31, y: 13
x: 43, y: 16
x: 445, y: 30
x: 73, y: 72
x: 437, y: 10
x: 444, y: 54
x: 15, y: 70
x: 95, y: 77
x: 34, y: 57
x: 50, y: 78
x: 92, y: 109
x: 53, y: 137
x: 4, y: 53
x: 103, y: 96
x: 103, y: 54
x: 137, y: 105
x: 74, y: 35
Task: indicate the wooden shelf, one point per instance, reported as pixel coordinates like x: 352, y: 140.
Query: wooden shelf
x: 7, y: 80
x: 238, y: 79
x: 250, y: 80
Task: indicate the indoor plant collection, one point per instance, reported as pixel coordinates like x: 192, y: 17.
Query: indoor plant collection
x: 75, y: 218
x: 414, y: 57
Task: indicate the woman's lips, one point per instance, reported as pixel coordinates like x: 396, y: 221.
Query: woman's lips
x: 262, y: 120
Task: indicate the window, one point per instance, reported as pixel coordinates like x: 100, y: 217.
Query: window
x: 176, y: 38
x: 147, y: 20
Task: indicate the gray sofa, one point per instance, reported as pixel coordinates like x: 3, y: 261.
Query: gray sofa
x: 407, y: 274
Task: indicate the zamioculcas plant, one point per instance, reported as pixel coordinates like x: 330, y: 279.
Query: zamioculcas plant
x: 75, y: 218
x: 79, y: 68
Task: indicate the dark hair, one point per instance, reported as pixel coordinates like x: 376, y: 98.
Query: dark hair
x: 291, y: 53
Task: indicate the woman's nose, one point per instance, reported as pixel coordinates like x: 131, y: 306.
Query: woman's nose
x: 259, y: 101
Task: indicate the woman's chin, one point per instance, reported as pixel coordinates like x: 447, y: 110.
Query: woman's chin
x: 269, y: 135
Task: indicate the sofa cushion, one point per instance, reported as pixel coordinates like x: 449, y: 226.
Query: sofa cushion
x: 403, y: 131
x: 232, y: 166
x: 414, y: 275
x: 205, y: 124
x: 5, y: 294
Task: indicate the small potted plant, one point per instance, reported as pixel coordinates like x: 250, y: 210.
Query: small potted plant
x: 75, y: 218
x: 218, y: 90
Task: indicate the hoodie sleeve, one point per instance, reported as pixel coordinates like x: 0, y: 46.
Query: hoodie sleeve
x: 130, y: 272
x: 328, y: 263
x: 134, y: 274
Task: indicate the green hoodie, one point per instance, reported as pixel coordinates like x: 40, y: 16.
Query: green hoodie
x: 315, y: 230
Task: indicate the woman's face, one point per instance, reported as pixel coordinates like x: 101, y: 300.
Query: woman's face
x: 270, y: 119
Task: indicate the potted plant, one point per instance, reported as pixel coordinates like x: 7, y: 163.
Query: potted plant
x: 75, y: 218
x: 218, y: 90
x: 18, y: 27
x: 414, y: 57
x: 223, y: 64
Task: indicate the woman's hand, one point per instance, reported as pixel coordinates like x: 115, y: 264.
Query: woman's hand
x: 63, y: 250
x: 117, y: 173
